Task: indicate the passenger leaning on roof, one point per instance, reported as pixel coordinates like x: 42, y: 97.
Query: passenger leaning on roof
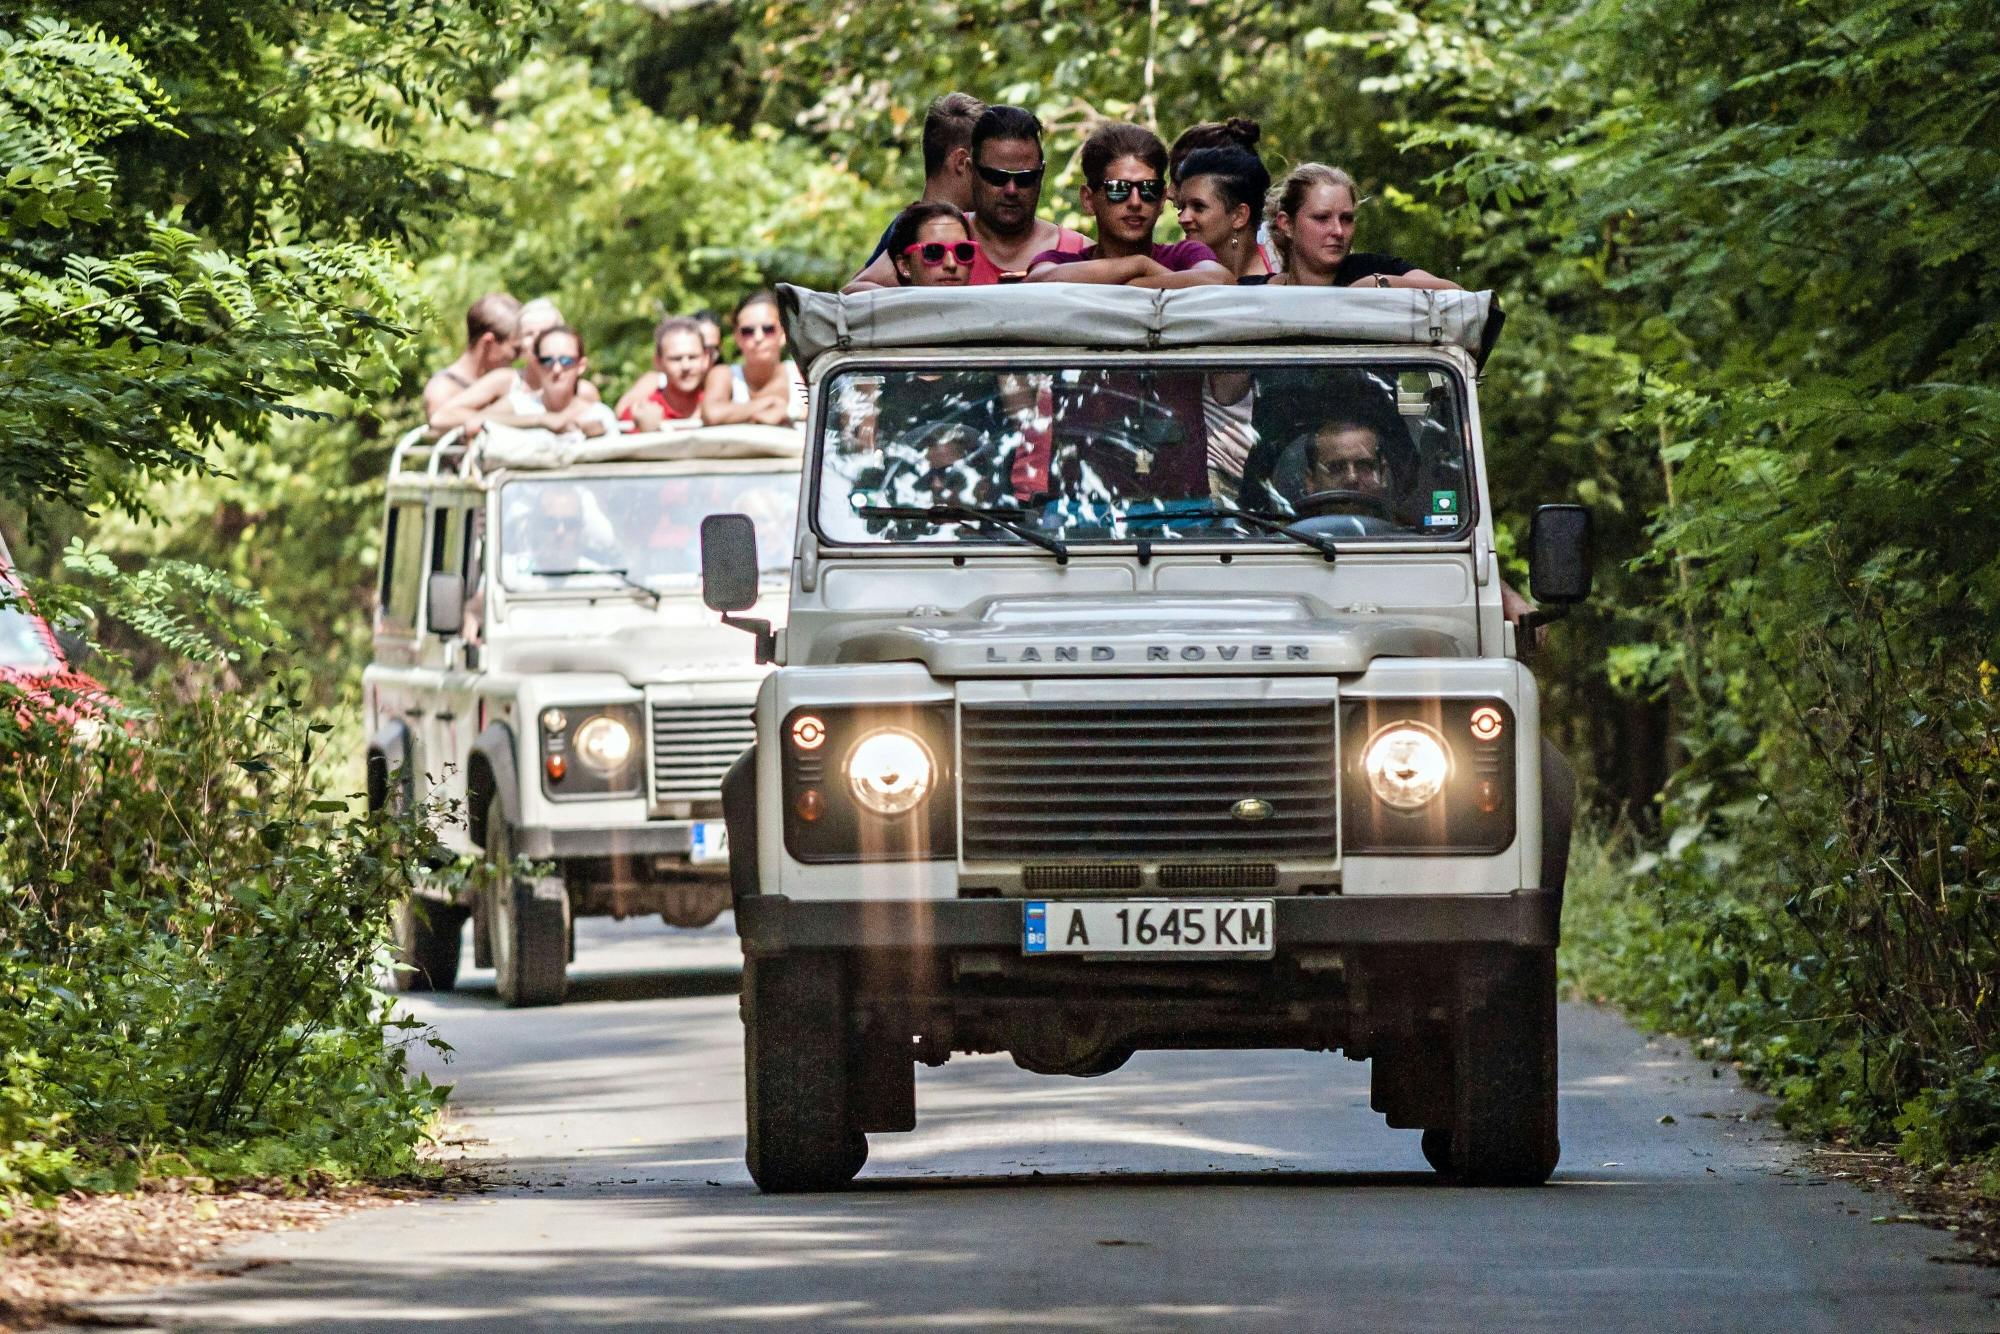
x: 1007, y: 170
x: 1311, y: 213
x: 947, y: 158
x: 669, y: 395
x: 1236, y: 132
x: 764, y: 386
x: 1125, y: 189
x: 1220, y: 193
x: 491, y: 344
x: 516, y: 394
x: 932, y: 246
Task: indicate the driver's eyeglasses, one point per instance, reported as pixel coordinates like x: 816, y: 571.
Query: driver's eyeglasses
x: 1000, y: 178
x: 563, y: 363
x: 1350, y: 467
x: 1119, y: 191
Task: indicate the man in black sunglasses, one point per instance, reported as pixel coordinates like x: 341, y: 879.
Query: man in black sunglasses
x: 1007, y: 171
x: 1124, y: 188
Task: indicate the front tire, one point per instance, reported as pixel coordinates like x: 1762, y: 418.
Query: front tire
x: 801, y: 1131
x: 1503, y: 1124
x: 527, y: 920
x: 426, y: 945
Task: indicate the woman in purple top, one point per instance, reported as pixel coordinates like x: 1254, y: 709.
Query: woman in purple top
x: 1125, y: 189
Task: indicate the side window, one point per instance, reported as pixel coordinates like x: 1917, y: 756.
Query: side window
x: 402, y: 567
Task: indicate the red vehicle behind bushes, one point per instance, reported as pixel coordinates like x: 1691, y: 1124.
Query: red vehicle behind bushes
x: 32, y: 660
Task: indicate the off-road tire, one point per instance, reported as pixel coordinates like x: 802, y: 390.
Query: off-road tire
x: 527, y: 925
x: 801, y: 1129
x: 427, y: 945
x: 1503, y: 1125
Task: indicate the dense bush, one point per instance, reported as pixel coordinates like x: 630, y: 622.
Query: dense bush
x: 190, y: 932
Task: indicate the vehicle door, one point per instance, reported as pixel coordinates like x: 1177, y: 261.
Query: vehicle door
x: 445, y: 716
x: 390, y: 683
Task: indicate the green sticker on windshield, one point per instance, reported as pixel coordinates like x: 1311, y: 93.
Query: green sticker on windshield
x: 1444, y: 502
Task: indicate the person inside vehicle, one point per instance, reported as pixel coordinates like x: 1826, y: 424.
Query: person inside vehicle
x: 932, y: 246
x: 765, y: 386
x: 510, y: 396
x: 491, y: 344
x: 1312, y: 214
x: 1220, y: 197
x: 1125, y: 189
x: 560, y: 533
x: 669, y: 395
x: 947, y: 159
x: 1007, y: 172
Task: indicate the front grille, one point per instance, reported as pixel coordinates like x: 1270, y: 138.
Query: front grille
x: 694, y: 745
x: 1065, y: 782
x: 1091, y: 875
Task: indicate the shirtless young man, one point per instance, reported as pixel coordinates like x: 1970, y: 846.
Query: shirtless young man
x: 1007, y: 170
x: 506, y: 392
x: 491, y: 344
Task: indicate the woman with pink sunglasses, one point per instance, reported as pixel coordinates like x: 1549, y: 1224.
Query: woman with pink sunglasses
x: 932, y: 246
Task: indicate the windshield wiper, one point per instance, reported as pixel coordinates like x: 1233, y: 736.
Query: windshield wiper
x: 950, y: 512
x: 624, y: 577
x: 1269, y: 523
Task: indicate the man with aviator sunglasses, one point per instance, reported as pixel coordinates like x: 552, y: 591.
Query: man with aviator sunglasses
x: 1007, y: 170
x: 1125, y: 189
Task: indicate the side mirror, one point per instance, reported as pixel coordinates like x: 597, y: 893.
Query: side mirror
x: 729, y: 576
x: 444, y: 599
x: 1559, y: 555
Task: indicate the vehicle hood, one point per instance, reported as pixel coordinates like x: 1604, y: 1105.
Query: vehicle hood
x: 645, y: 654
x: 1152, y: 634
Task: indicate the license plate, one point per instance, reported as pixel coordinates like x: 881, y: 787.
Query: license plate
x: 709, y: 841
x: 1157, y: 928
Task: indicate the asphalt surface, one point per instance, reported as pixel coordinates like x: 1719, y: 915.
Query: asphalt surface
x: 1205, y: 1190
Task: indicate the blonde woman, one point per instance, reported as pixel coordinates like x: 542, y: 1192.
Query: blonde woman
x: 1312, y: 214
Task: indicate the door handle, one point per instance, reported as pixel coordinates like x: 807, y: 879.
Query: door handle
x: 447, y: 716
x: 413, y: 713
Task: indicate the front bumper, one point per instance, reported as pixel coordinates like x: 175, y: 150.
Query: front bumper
x: 771, y: 923
x: 656, y: 838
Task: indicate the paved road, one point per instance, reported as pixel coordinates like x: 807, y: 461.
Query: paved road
x: 1223, y: 1191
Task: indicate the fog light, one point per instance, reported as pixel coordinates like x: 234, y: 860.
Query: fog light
x: 889, y: 772
x: 808, y: 732
x: 1406, y: 765
x: 1486, y: 723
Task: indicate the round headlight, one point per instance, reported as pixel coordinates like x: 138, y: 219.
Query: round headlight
x: 1406, y: 766
x: 604, y: 744
x: 889, y: 772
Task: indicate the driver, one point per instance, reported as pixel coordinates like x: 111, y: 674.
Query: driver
x: 1347, y: 456
x: 552, y: 536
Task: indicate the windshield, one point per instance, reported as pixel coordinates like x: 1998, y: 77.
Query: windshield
x: 582, y: 532
x: 1084, y: 453
x: 21, y: 642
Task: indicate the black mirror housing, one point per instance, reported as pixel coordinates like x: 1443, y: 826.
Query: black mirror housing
x: 444, y: 603
x: 1559, y: 554
x: 728, y: 562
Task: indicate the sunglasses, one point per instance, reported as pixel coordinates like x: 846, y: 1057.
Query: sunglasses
x: 1119, y: 191
x: 745, y: 330
x: 1000, y: 178
x: 559, y: 363
x: 933, y: 252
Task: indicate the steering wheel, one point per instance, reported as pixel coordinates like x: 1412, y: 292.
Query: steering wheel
x: 1345, y: 501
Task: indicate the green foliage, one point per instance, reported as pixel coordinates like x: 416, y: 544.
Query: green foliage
x: 192, y: 930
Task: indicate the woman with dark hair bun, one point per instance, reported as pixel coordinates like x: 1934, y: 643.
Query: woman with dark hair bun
x: 1220, y: 193
x: 1236, y: 132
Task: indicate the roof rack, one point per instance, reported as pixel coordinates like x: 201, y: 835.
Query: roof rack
x: 417, y: 454
x: 418, y: 457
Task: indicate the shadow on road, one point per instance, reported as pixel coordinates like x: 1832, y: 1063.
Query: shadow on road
x: 615, y: 988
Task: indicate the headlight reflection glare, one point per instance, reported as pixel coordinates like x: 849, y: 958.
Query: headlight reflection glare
x: 1406, y: 766
x: 604, y: 744
x: 890, y: 772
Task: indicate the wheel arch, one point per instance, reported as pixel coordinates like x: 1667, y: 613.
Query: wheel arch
x: 490, y: 770
x: 389, y: 757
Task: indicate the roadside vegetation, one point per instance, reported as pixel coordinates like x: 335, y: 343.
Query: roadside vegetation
x: 1751, y: 256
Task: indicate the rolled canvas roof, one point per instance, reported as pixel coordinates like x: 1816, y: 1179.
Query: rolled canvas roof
x: 1095, y: 316
x: 509, y: 447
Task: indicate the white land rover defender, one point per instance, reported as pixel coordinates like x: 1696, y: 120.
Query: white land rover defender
x: 1146, y: 685
x: 542, y: 657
